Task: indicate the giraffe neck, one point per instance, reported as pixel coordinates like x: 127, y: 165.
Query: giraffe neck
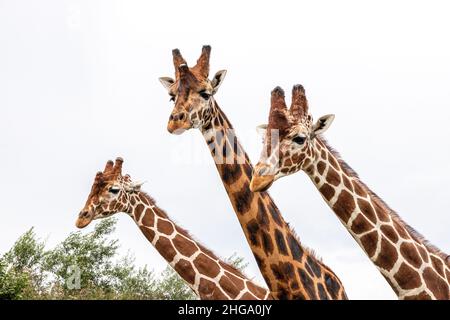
x: 414, y: 268
x: 290, y: 270
x: 204, y: 272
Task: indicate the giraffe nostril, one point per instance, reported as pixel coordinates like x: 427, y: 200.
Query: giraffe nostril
x: 84, y: 214
x: 182, y: 117
x: 171, y: 117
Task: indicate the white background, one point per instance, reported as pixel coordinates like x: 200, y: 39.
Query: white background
x: 78, y: 86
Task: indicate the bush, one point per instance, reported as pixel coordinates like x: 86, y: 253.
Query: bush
x: 85, y: 266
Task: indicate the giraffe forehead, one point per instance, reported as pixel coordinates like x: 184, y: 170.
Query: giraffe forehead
x: 192, y: 83
x: 105, y: 182
x: 302, y: 127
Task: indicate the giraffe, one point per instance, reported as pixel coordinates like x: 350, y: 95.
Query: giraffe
x: 207, y: 275
x: 290, y: 270
x: 413, y: 267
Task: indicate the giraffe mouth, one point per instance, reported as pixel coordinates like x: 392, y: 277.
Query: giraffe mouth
x: 261, y: 183
x: 178, y: 127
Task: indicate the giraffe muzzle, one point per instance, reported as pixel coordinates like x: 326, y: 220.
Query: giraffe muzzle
x: 261, y: 183
x: 178, y: 122
x: 84, y: 219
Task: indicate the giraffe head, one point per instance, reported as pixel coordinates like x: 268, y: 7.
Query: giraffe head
x: 288, y: 139
x: 109, y: 195
x: 192, y: 92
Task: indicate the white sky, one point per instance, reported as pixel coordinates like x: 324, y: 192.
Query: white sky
x: 78, y: 86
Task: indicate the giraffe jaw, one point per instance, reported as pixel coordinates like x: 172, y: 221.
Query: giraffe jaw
x: 261, y: 183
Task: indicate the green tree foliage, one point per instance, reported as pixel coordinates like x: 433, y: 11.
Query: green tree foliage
x: 171, y: 288
x: 85, y: 266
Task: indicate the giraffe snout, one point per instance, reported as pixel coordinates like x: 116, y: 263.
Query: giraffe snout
x: 262, y: 179
x: 181, y: 116
x: 84, y: 218
x: 178, y: 122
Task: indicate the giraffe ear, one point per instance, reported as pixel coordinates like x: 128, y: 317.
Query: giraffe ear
x: 217, y: 80
x: 322, y: 125
x: 167, y: 82
x: 134, y: 186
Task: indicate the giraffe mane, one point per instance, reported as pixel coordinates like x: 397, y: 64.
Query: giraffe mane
x: 200, y: 245
x: 309, y: 250
x: 413, y: 232
x: 222, y: 114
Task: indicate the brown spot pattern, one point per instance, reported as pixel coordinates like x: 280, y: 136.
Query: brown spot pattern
x: 242, y: 199
x: 321, y: 167
x: 138, y: 211
x: 165, y: 227
x: 369, y: 242
x: 438, y: 265
x: 388, y: 255
x: 229, y: 286
x: 407, y: 277
x: 347, y: 182
x: 423, y: 253
x: 149, y: 234
x: 186, y: 247
x: 184, y: 268
x: 389, y: 232
x: 359, y: 189
x: 436, y: 284
x: 344, y: 205
x: 206, y: 287
x: 327, y: 191
x: 333, y: 177
x: 148, y: 219
x: 333, y: 161
x: 206, y: 266
x: 164, y: 247
x: 409, y: 252
x: 367, y: 210
x: 360, y: 224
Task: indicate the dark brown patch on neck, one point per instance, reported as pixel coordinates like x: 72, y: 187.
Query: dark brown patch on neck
x: 332, y: 286
x: 388, y: 255
x: 281, y: 243
x: 410, y: 254
x: 314, y: 267
x: 230, y: 173
x: 344, y: 205
x: 184, y: 268
x: 436, y: 285
x: 296, y: 249
x: 308, y: 284
x: 369, y: 242
x: 407, y: 278
x: 322, y: 294
x: 242, y: 199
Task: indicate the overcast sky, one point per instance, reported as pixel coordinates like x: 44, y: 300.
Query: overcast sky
x: 79, y: 85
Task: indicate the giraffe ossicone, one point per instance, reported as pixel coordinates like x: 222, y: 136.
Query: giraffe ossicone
x: 413, y: 267
x: 206, y: 274
x: 290, y: 270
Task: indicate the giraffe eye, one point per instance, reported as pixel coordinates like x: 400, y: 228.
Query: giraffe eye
x: 114, y: 190
x: 205, y: 95
x: 299, y: 139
